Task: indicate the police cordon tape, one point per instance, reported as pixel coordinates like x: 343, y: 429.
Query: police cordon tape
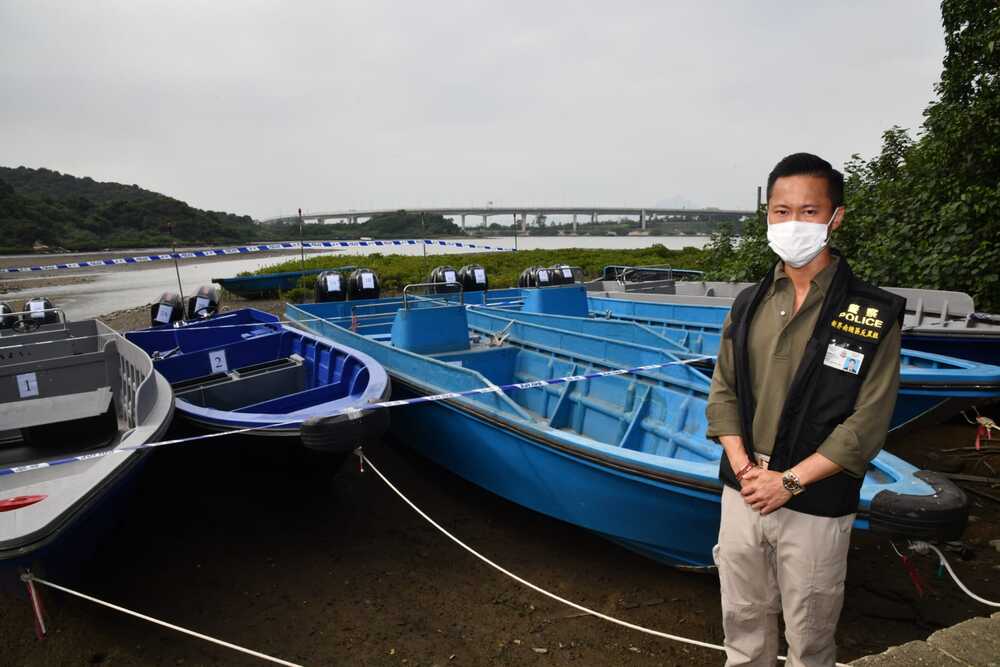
x: 353, y: 412
x: 249, y: 249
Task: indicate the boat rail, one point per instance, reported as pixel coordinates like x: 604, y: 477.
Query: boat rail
x: 461, y: 292
x: 621, y: 272
x: 137, y: 395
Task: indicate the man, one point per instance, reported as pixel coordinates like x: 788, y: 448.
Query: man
x: 801, y: 398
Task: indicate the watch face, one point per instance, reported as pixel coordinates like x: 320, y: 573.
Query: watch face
x: 791, y: 485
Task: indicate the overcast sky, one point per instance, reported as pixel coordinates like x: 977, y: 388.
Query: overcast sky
x: 262, y: 107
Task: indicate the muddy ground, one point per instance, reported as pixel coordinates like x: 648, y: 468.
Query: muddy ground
x: 9, y: 284
x: 42, y: 259
x: 247, y: 542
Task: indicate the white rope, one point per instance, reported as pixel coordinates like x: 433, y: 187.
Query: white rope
x: 923, y: 547
x: 263, y: 656
x: 538, y: 589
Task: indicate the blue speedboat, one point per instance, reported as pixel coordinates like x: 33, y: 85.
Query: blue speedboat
x: 933, y: 387
x: 268, y: 284
x: 623, y: 456
x: 246, y: 370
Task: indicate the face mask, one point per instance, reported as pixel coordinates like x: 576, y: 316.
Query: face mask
x: 797, y: 243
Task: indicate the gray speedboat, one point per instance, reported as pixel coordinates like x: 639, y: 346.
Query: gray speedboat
x: 70, y: 393
x: 936, y: 321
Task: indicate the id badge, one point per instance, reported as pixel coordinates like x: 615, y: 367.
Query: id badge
x: 841, y: 357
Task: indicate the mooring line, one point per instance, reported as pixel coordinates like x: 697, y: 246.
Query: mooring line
x: 431, y: 398
x: 538, y: 589
x: 29, y: 578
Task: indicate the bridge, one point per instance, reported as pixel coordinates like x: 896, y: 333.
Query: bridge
x: 485, y: 212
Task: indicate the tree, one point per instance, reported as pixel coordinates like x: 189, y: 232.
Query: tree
x: 924, y: 212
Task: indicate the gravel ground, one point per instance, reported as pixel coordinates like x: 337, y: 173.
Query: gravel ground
x: 258, y: 545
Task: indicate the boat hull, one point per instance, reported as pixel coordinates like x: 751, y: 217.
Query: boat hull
x: 633, y: 510
x: 985, y: 348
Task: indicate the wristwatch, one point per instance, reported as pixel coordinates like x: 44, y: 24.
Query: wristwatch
x: 792, y: 483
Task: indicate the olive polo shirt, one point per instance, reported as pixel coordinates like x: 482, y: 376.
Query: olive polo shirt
x: 777, y: 341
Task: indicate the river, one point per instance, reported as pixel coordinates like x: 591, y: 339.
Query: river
x: 118, y: 288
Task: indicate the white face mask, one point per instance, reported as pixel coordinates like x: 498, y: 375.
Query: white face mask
x: 797, y: 243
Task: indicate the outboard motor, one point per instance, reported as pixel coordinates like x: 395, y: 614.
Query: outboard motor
x: 442, y: 275
x: 363, y: 284
x: 330, y: 286
x: 204, y: 303
x: 473, y: 278
x: 535, y: 276
x: 38, y: 311
x: 556, y: 276
x: 7, y: 318
x: 167, y: 310
x: 564, y: 274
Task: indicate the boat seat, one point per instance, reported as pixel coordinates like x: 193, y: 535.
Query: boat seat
x: 254, y: 369
x: 201, y: 382
x: 48, y: 441
x: 231, y: 391
x: 213, y: 379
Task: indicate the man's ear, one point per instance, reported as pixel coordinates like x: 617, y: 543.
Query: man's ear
x: 838, y: 217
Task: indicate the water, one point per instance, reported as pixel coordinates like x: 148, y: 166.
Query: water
x: 128, y: 287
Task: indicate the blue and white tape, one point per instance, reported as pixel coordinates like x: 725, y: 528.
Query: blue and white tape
x: 243, y: 250
x: 490, y: 389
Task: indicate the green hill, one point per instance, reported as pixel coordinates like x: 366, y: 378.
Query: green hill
x: 60, y: 210
x: 64, y: 211
x: 41, y: 183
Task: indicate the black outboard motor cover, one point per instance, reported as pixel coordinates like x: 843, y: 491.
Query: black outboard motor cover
x: 535, y: 276
x: 522, y: 280
x: 204, y: 303
x: 7, y: 318
x: 565, y: 274
x: 330, y: 286
x: 38, y: 311
x: 363, y: 284
x: 473, y: 278
x: 167, y: 310
x: 445, y: 274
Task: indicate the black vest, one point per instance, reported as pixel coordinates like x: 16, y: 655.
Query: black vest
x: 854, y: 315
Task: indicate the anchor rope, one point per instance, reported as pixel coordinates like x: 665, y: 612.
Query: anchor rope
x: 538, y: 589
x: 28, y: 577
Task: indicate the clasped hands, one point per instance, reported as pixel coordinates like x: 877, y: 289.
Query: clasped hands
x: 763, y: 490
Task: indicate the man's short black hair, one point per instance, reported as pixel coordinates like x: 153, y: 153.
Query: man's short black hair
x: 807, y: 164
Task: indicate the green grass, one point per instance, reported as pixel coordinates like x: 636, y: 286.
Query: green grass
x: 503, y: 268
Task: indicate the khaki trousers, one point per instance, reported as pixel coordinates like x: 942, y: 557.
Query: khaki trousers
x: 785, y: 561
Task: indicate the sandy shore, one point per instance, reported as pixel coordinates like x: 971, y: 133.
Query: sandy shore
x: 254, y: 544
